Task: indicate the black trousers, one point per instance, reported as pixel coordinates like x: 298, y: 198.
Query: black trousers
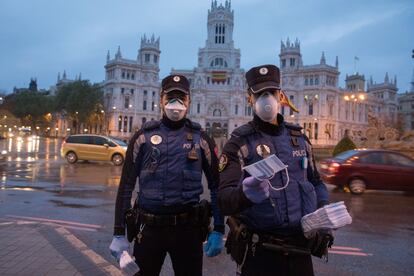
x: 182, y: 242
x: 271, y: 263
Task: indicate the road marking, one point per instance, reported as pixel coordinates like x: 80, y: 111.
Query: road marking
x: 72, y: 223
x: 346, y: 248
x: 94, y: 257
x: 350, y: 253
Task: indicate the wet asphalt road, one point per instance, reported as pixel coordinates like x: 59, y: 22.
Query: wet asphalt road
x: 36, y: 183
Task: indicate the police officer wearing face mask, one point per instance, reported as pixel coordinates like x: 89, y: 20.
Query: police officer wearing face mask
x: 265, y: 235
x: 168, y: 157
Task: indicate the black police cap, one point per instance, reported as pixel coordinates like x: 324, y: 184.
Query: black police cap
x: 263, y: 77
x: 175, y: 83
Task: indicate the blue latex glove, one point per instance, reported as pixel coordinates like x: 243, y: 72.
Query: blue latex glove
x: 214, y: 244
x: 255, y: 190
x: 118, y: 245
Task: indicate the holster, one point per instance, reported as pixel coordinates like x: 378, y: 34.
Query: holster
x: 320, y: 243
x: 237, y: 239
x: 203, y: 212
x: 131, y: 222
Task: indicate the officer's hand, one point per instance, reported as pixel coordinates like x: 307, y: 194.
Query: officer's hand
x: 255, y: 190
x: 118, y: 245
x: 214, y: 244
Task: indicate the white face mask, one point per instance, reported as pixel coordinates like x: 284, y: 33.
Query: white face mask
x: 266, y: 107
x: 175, y: 110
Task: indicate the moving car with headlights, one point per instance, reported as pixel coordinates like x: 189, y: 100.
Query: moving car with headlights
x: 364, y: 169
x: 93, y: 148
x: 3, y: 155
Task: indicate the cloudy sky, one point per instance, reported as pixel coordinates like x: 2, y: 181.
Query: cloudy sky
x: 43, y: 37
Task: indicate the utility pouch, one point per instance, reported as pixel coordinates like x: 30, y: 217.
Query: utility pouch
x: 131, y: 222
x: 237, y: 240
x: 320, y: 243
x: 204, y: 215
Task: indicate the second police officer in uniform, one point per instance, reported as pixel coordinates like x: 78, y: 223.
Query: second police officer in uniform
x: 169, y: 156
x: 265, y: 232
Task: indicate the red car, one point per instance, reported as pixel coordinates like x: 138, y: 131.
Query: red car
x: 369, y: 169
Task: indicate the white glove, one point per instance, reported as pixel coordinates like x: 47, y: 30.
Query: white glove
x: 118, y: 245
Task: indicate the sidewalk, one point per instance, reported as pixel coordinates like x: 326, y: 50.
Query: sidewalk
x: 31, y: 248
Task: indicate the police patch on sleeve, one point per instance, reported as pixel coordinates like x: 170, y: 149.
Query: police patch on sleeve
x: 223, y: 162
x: 156, y: 139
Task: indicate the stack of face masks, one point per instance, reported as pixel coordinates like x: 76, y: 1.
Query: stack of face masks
x: 332, y: 216
x: 265, y: 168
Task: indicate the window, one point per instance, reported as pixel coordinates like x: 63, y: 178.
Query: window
x: 291, y: 97
x: 316, y: 130
x: 132, y: 91
x: 283, y: 63
x: 155, y: 58
x: 399, y: 160
x: 130, y: 123
x: 132, y: 76
x: 126, y: 102
x: 310, y: 111
x: 292, y: 62
x: 153, y: 94
x: 198, y: 108
x: 306, y: 81
x: 78, y: 139
x: 236, y: 109
x: 373, y: 158
x: 125, y: 124
x: 152, y: 106
x: 99, y: 141
x: 147, y: 58
x: 316, y: 80
x: 120, y: 123
x: 311, y: 80
x: 123, y: 74
x: 122, y: 90
x: 145, y: 92
x: 144, y: 105
x: 127, y: 76
x: 217, y: 113
x: 331, y: 110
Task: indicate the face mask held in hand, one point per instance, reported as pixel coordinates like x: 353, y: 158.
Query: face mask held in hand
x: 175, y: 110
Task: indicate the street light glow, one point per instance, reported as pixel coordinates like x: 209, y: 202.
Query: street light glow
x: 346, y: 98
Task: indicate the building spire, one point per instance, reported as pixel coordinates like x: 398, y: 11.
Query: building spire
x: 386, y: 79
x: 58, y: 78
x: 323, y: 60
x: 412, y: 82
x: 118, y: 53
x: 336, y: 62
x: 64, y: 75
x: 108, y: 56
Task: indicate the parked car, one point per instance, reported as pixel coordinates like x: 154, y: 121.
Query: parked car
x: 93, y: 147
x: 369, y: 169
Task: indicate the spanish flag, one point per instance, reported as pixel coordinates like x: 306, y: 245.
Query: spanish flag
x: 219, y: 76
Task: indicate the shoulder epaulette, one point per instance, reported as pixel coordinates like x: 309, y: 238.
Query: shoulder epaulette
x: 149, y: 125
x: 193, y: 125
x: 295, y: 130
x: 244, y: 130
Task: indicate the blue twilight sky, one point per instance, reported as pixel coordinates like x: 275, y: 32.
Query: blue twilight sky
x: 43, y: 37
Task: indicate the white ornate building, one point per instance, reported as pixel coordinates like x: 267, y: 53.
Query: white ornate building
x: 131, y: 89
x: 218, y: 98
x: 406, y: 107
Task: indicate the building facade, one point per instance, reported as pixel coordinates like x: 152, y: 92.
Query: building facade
x: 406, y: 108
x: 218, y: 98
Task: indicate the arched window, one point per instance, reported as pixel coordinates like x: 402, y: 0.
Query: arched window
x: 217, y: 113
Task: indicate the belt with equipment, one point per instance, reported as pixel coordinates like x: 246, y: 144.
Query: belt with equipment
x: 168, y: 219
